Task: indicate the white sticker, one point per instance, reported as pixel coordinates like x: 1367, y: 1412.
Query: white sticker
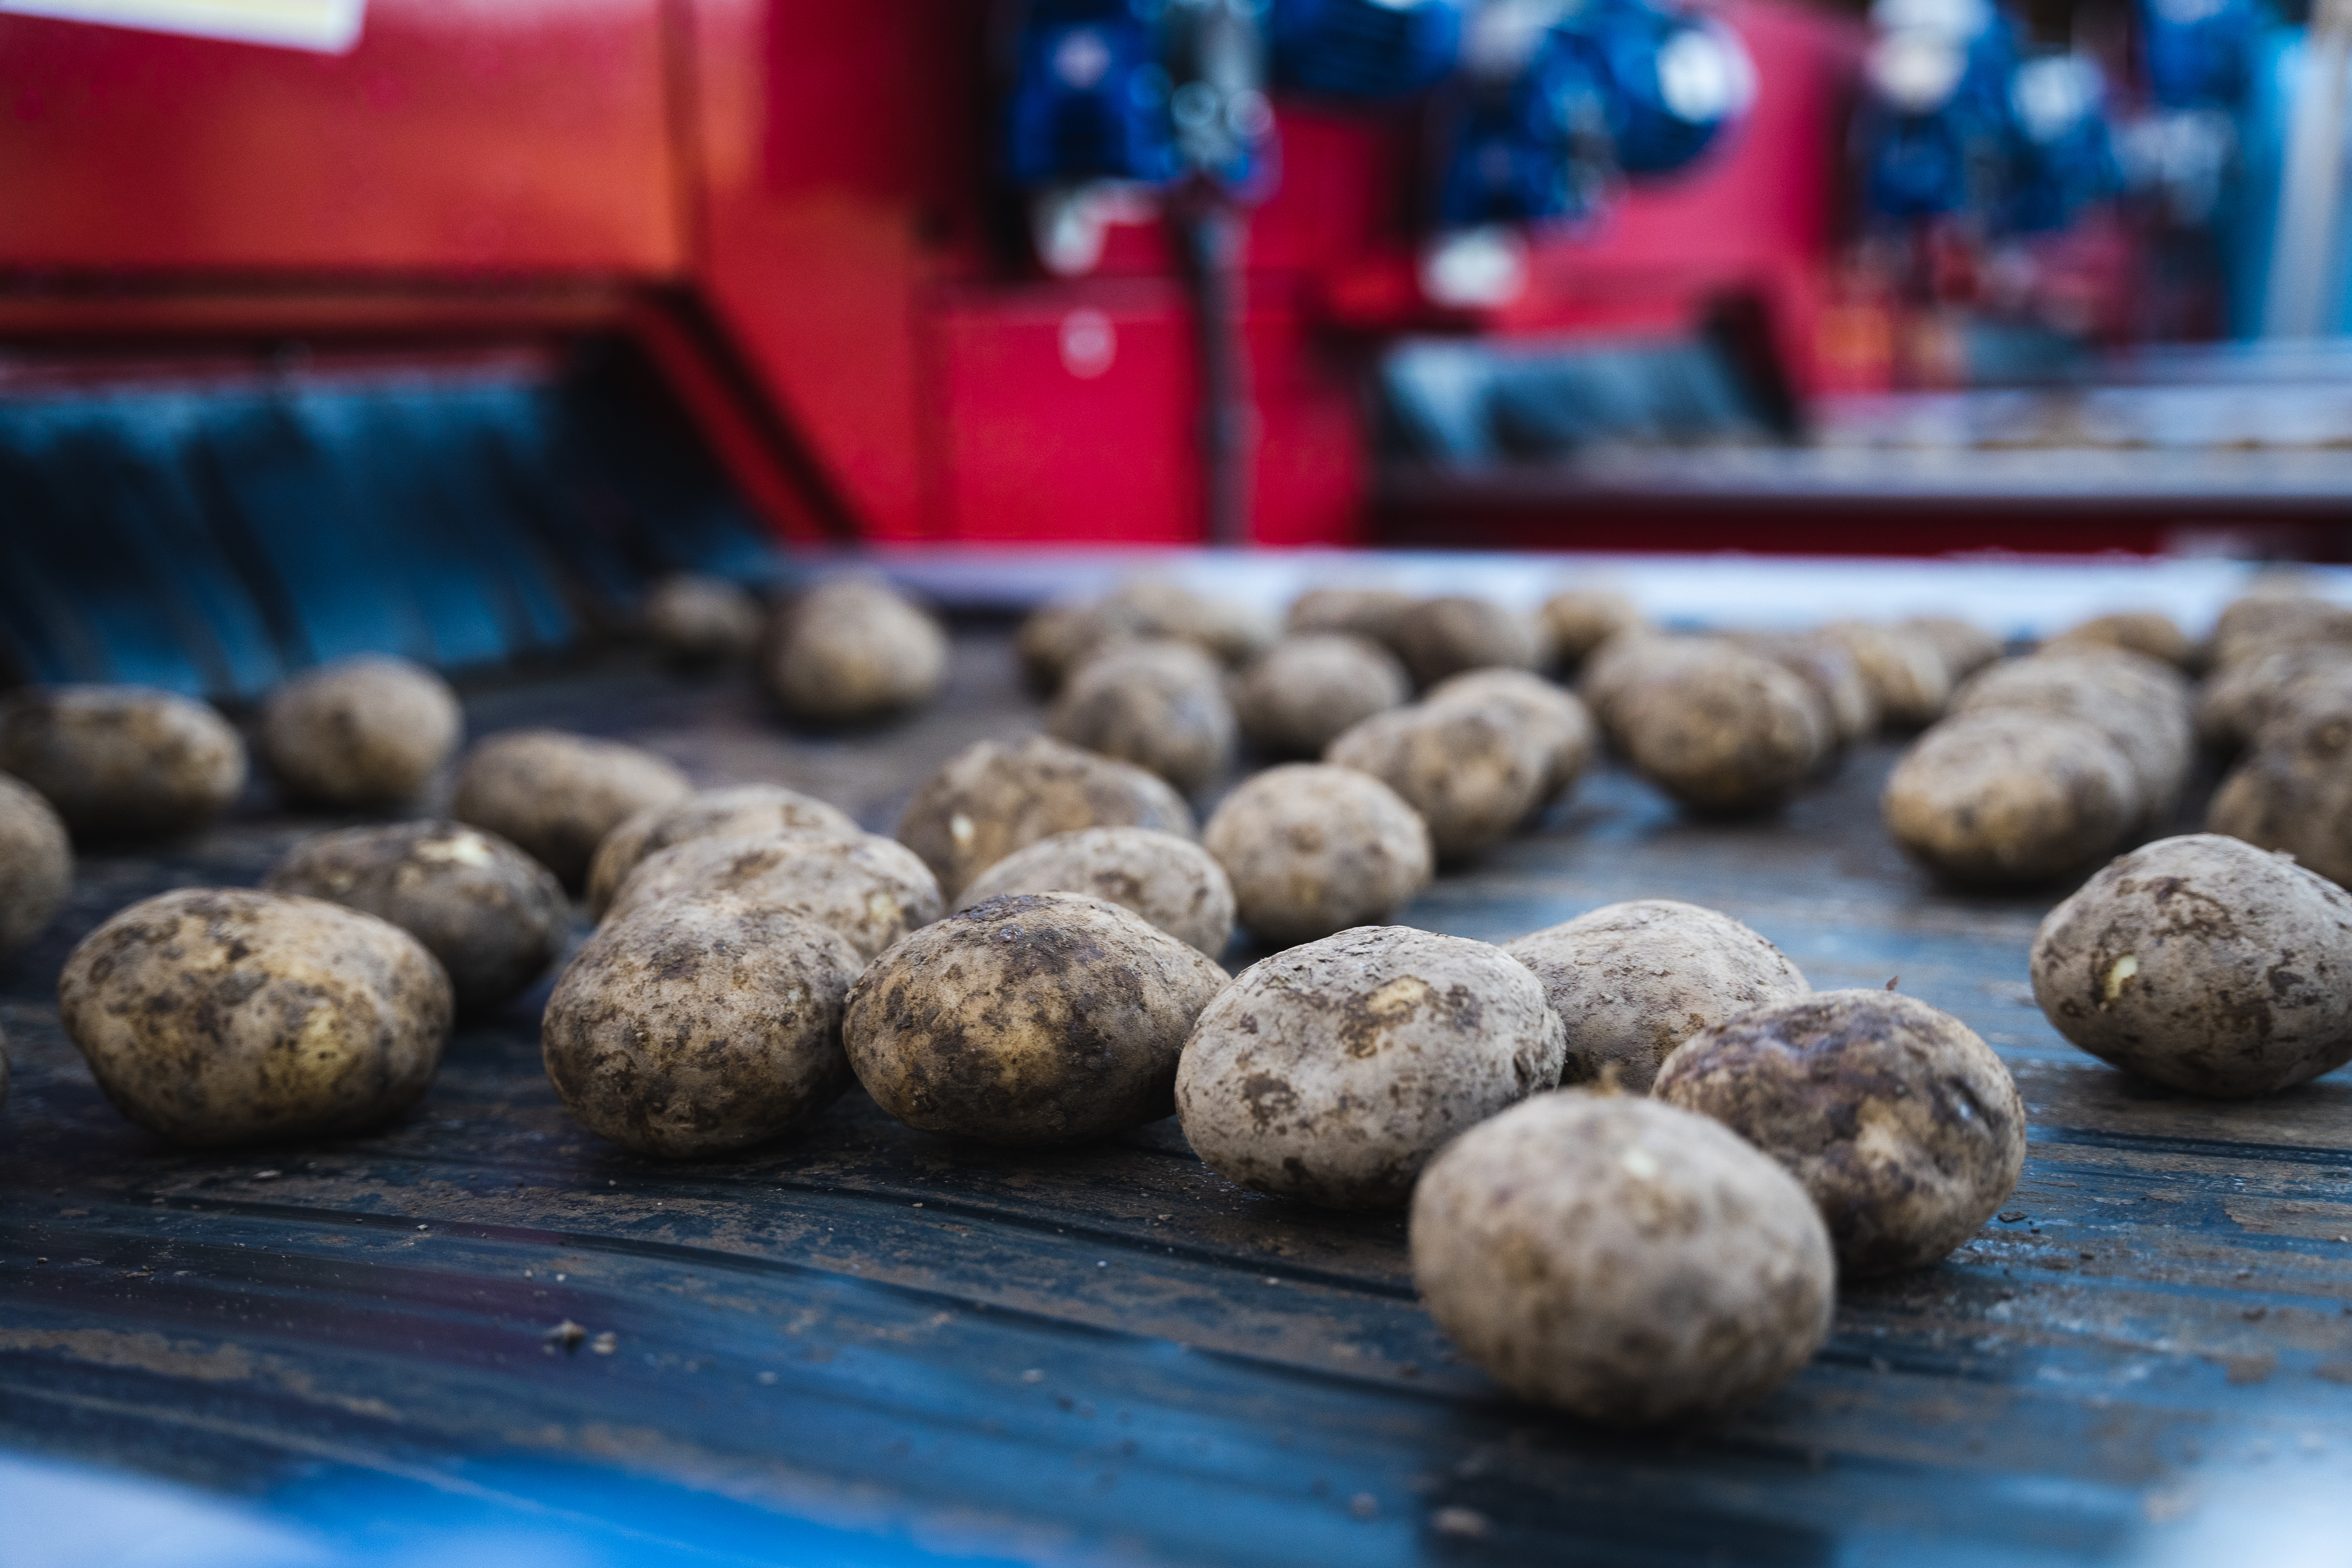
x: 325, y: 26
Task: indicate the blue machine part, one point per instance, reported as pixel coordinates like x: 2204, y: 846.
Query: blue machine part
x: 1215, y: 55
x: 1364, y: 50
x: 1530, y: 148
x: 1670, y: 84
x: 2201, y: 54
x: 2063, y: 157
x: 1934, y: 136
x: 1090, y: 98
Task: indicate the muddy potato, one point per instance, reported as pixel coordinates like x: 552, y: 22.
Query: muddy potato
x: 2238, y: 700
x: 871, y: 890
x: 2293, y: 789
x: 2150, y: 633
x: 36, y: 864
x: 2276, y: 617
x: 557, y: 794
x: 693, y: 619
x: 699, y: 1026
x: 1303, y: 692
x: 362, y: 732
x: 2205, y: 964
x: 494, y: 917
x: 1579, y: 621
x: 1331, y: 1072
x: 1034, y: 1019
x: 1225, y: 629
x: 733, y: 811
x: 851, y: 651
x: 1172, y: 882
x: 222, y: 1015
x: 1557, y: 721
x: 1158, y: 704
x: 1374, y: 614
x: 996, y: 797
x: 1630, y: 981
x: 1473, y: 770
x: 1902, y: 1124
x: 122, y: 761
x: 1848, y: 711
x: 2140, y: 705
x: 1056, y: 638
x: 1622, y: 1260
x: 2002, y: 797
x: 1907, y: 677
x: 1721, y: 730
x: 1441, y: 637
x: 1314, y: 849
x: 1965, y: 646
x: 1634, y: 655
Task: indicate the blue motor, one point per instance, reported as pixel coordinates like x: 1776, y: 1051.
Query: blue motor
x: 1934, y: 134
x: 1089, y: 97
x: 2063, y: 158
x: 1529, y: 146
x: 2200, y: 53
x: 1365, y: 50
x: 1670, y: 83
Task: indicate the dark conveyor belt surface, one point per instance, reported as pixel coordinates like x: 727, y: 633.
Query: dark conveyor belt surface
x: 868, y: 1345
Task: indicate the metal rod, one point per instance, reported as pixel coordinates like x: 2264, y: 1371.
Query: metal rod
x: 1214, y: 234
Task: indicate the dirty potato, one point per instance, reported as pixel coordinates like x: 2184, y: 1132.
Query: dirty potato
x: 2236, y: 701
x: 1474, y: 772
x: 1441, y: 637
x: 871, y: 890
x: 1169, y: 882
x: 1303, y: 692
x: 2274, y: 617
x: 1965, y: 646
x: 1904, y: 1126
x: 1622, y: 1260
x: 1630, y: 981
x: 1848, y: 710
x: 996, y: 796
x: 700, y: 1025
x: 1579, y: 620
x: 1158, y: 704
x: 692, y: 619
x: 2205, y: 964
x: 361, y: 732
x: 1908, y: 678
x: 1557, y: 719
x: 36, y: 864
x: 1374, y: 614
x: 2292, y: 790
x: 2149, y: 633
x: 1331, y: 1072
x: 1719, y: 729
x: 1034, y: 1019
x: 222, y: 1015
x: 1314, y: 849
x: 557, y: 795
x: 2140, y: 705
x: 853, y: 651
x: 733, y: 811
x: 2000, y: 797
x: 494, y: 917
x: 122, y: 761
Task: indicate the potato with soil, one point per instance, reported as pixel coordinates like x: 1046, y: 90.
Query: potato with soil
x: 734, y: 811
x: 2004, y: 797
x: 871, y: 890
x: 222, y: 1015
x: 1557, y: 721
x: 997, y: 796
x: 122, y: 761
x: 1332, y: 1072
x: 1577, y: 622
x: 2278, y: 617
x: 1160, y: 705
x: 1902, y: 1124
x: 1622, y: 1260
x: 494, y: 917
x: 556, y: 796
x: 1965, y: 646
x: 1907, y: 677
x: 36, y: 864
x: 1374, y: 614
x: 1632, y: 982
x: 1314, y: 849
x: 1721, y: 730
x: 700, y: 1025
x: 2239, y: 700
x: 362, y: 732
x: 1172, y: 882
x: 2292, y: 790
x: 2140, y: 705
x: 1848, y: 710
x: 1473, y: 770
x: 692, y: 619
x: 1441, y: 637
x: 2205, y: 964
x: 1035, y: 1018
x: 1305, y: 691
x: 1055, y: 640
x: 853, y: 651
x: 2148, y: 633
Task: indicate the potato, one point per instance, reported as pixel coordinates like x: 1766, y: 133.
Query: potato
x: 1331, y: 1072
x: 1445, y: 636
x: 556, y: 796
x: 122, y: 761
x: 1634, y: 655
x: 1842, y: 699
x: 994, y: 798
x: 222, y: 1015
x: 731, y: 811
x: 1579, y: 621
x: 2140, y: 705
x: 36, y: 864
x: 1314, y: 849
x: 1622, y: 1260
x: 2276, y: 617
x: 1374, y: 614
x: 853, y: 651
x: 1907, y: 677
x: 2292, y: 791
x: 494, y: 917
x: 1474, y: 772
x: 2204, y: 963
x: 1902, y: 1124
x: 360, y: 733
x: 1630, y: 981
x: 1160, y: 704
x: 1557, y: 719
x: 1057, y: 639
x: 1032, y: 1018
x: 1721, y: 730
x: 2008, y: 797
x: 871, y: 890
x: 2240, y: 698
x: 700, y: 1025
x: 693, y: 619
x: 2149, y: 633
x: 1303, y: 692
x: 1966, y: 647
x: 1172, y: 882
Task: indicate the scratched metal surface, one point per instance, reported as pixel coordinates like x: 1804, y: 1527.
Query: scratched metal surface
x: 868, y: 1345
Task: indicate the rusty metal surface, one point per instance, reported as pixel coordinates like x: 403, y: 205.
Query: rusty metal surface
x: 869, y: 1345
